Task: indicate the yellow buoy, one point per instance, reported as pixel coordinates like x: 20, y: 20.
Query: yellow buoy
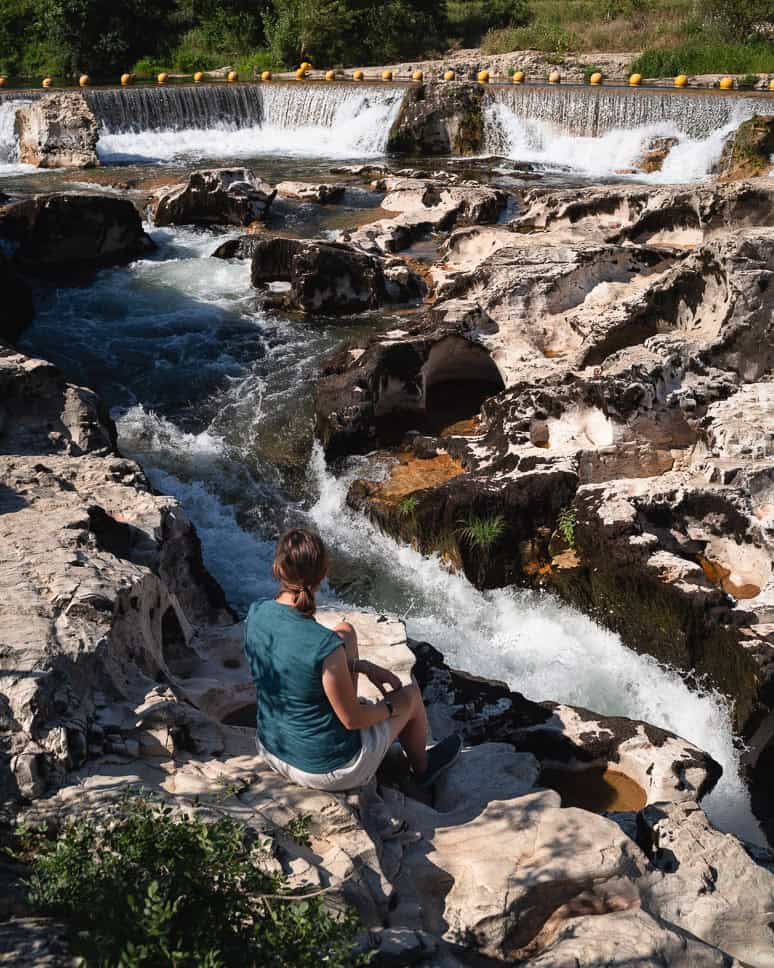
x: 357, y: 75
x: 198, y: 77
x: 518, y: 77
x: 84, y: 80
x: 330, y: 75
x: 771, y: 84
x: 635, y: 80
x: 162, y: 78
x: 417, y: 76
x: 554, y: 77
x: 448, y: 75
x: 596, y: 78
x: 306, y: 66
x: 232, y: 77
x: 47, y: 82
x: 726, y: 83
x: 265, y: 75
x: 681, y: 80
x: 300, y: 73
x: 483, y: 77
x: 386, y: 75
x: 126, y: 79
x: 3, y: 80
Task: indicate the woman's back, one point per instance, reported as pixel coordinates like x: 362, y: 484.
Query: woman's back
x: 295, y: 721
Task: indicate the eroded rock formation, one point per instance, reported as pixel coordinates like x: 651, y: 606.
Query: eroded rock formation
x: 57, y: 131
x: 222, y: 196
x: 46, y: 233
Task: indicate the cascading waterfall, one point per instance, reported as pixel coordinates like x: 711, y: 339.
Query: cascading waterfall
x: 604, y: 131
x: 9, y: 145
x: 166, y: 123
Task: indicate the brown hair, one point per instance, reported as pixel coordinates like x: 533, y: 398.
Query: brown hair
x: 300, y: 565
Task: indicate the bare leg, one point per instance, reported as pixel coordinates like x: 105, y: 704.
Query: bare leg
x: 410, y: 727
x: 348, y: 636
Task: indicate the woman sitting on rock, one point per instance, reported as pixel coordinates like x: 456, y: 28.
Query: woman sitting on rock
x: 312, y: 728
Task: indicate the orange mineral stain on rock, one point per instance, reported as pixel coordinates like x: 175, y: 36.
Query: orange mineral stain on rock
x: 412, y: 473
x: 720, y: 575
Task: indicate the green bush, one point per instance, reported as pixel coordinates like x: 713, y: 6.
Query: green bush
x: 697, y: 57
x: 407, y: 506
x: 566, y: 525
x: 735, y: 19
x: 145, y: 888
x: 150, y: 66
x: 469, y: 20
x: 545, y: 37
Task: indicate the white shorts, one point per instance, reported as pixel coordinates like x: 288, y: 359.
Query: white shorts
x: 359, y: 771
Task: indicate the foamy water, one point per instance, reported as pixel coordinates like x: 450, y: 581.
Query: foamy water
x: 210, y: 396
x: 612, y: 154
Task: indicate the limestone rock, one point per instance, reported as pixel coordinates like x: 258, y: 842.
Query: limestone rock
x: 323, y: 277
x: 62, y: 231
x: 440, y: 119
x: 57, y: 131
x: 323, y: 193
x: 222, y: 196
x: 707, y: 883
x: 749, y: 150
x: 655, y: 154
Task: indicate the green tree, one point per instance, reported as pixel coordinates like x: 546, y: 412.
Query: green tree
x: 735, y: 19
x: 102, y: 38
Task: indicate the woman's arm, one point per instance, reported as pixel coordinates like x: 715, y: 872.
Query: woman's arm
x: 338, y: 687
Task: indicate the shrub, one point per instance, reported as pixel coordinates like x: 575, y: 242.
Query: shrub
x: 482, y: 533
x: 566, y: 525
x: 145, y: 889
x: 735, y: 19
x: 407, y: 506
x: 148, y: 66
x: 705, y: 57
x: 469, y: 20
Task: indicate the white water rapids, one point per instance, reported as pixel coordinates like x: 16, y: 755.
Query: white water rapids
x: 182, y: 327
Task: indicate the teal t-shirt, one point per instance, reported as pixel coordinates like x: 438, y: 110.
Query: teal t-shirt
x: 296, y: 722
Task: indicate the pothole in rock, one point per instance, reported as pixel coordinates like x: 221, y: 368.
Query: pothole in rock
x: 598, y: 789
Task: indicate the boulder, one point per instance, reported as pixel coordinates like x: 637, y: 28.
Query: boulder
x: 749, y: 149
x: 655, y: 153
x: 323, y: 193
x: 222, y: 196
x: 61, y: 231
x: 440, y: 119
x: 324, y: 277
x: 57, y: 131
x: 17, y: 298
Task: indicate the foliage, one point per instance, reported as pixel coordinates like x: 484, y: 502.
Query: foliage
x: 299, y: 829
x: 482, y: 533
x: 408, y: 506
x: 698, y: 57
x: 566, y: 525
x: 352, y: 31
x: 147, y: 888
x: 590, y: 71
x: 548, y: 38
x: 735, y: 19
x: 469, y: 20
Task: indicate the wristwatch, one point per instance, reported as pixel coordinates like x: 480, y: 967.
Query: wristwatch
x: 390, y: 708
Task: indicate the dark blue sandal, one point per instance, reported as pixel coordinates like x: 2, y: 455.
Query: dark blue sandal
x: 439, y: 758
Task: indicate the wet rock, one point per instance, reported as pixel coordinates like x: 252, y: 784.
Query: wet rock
x: 57, y: 232
x: 222, y: 196
x: 57, y: 131
x: 17, y: 298
x: 749, y: 150
x: 324, y: 277
x: 655, y: 154
x: 440, y: 119
x: 323, y: 193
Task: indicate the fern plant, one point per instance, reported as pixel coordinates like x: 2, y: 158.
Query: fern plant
x: 408, y: 506
x: 566, y: 524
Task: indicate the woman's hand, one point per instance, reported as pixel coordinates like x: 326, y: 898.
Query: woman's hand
x: 381, y: 678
